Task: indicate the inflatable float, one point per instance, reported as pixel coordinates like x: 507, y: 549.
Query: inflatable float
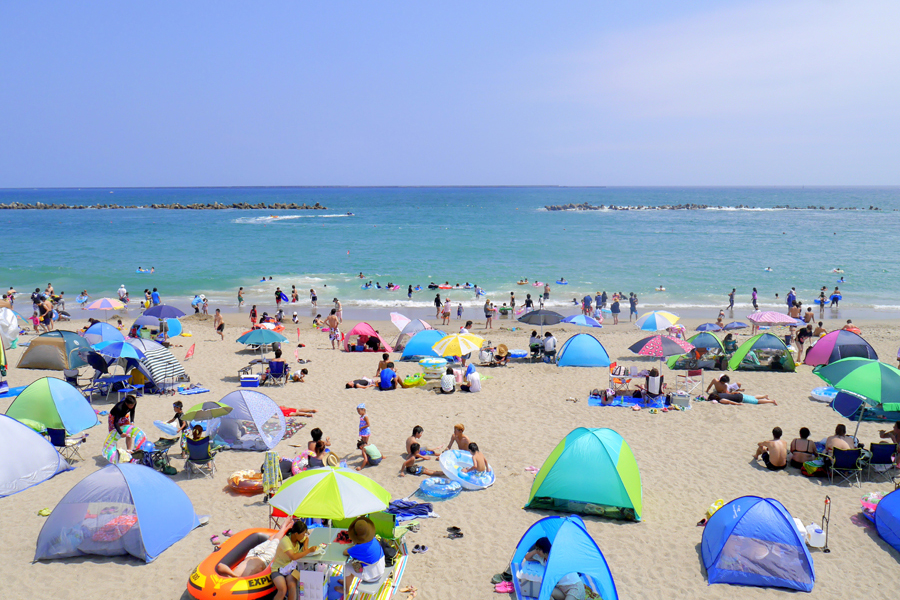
x: 521, y: 283
x: 538, y: 283
x: 284, y: 297
x: 837, y: 270
x: 418, y: 288
x: 81, y: 299
x: 660, y: 289
x: 142, y: 272
x: 414, y: 380
x: 454, y: 461
x: 834, y: 297
x: 562, y: 282
x: 440, y: 487
x: 167, y: 428
x: 205, y: 584
x: 246, y: 482
x: 824, y: 394
x: 433, y: 363
x: 110, y: 450
x: 445, y: 287
x: 365, y: 287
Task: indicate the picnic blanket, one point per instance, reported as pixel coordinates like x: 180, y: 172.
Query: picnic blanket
x: 191, y: 391
x: 628, y: 402
x: 292, y: 426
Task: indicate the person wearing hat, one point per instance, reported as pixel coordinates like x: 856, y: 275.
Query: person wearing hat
x: 295, y: 318
x: 367, y: 557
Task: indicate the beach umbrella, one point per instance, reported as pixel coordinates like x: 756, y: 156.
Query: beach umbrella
x: 103, y: 332
x: 583, y: 320
x: 400, y: 321
x: 206, y: 411
x: 261, y: 337
x: 163, y: 311
x: 118, y: 350
x: 874, y: 382
x: 735, y: 325
x: 458, y: 344
x: 709, y: 327
x: 771, y: 318
x: 657, y: 320
x: 541, y: 317
x: 660, y: 346
x: 105, y: 304
x: 330, y: 493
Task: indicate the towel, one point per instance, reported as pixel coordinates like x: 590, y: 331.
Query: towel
x: 272, y: 472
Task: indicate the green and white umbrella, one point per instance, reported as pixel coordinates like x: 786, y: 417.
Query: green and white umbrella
x: 330, y: 493
x: 206, y: 411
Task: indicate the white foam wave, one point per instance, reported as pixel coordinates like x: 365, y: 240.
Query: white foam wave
x: 276, y: 218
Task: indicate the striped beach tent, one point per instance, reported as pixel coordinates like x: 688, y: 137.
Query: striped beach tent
x: 162, y: 366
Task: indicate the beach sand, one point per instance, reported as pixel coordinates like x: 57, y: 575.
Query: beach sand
x: 687, y: 460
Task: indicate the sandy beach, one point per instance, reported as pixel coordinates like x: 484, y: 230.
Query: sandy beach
x: 687, y: 460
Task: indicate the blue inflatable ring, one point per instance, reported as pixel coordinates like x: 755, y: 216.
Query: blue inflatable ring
x: 439, y: 487
x: 824, y: 394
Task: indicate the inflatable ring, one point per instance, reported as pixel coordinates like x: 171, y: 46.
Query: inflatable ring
x: 439, y: 487
x: 835, y: 297
x: 110, y: 450
x: 246, y: 482
x: 518, y: 353
x: 714, y: 507
x: 433, y: 363
x: 454, y: 461
x: 824, y: 394
x: 300, y: 462
x: 414, y: 380
x: 205, y: 584
x: 562, y: 282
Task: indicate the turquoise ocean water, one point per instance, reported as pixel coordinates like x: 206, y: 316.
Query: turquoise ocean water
x: 488, y: 236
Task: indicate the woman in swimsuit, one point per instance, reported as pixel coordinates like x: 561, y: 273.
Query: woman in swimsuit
x: 802, y: 449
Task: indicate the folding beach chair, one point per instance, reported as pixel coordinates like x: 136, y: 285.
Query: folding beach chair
x: 618, y: 379
x: 691, y: 383
x: 881, y: 462
x: 68, y: 447
x: 278, y: 372
x: 847, y: 464
x: 200, y: 459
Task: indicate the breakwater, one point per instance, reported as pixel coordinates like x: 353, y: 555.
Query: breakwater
x: 586, y: 206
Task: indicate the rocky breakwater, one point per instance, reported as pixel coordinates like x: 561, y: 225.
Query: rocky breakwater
x: 586, y: 206
x: 176, y: 206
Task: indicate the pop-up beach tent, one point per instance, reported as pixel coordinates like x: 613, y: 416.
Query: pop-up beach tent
x: 120, y: 509
x: 754, y: 541
x: 54, y: 403
x: 9, y: 327
x: 572, y: 550
x: 55, y: 351
x: 255, y: 423
x: 703, y: 340
x: 745, y: 357
x: 887, y: 519
x: 420, y: 345
x: 582, y: 350
x: 591, y: 471
x: 837, y: 345
x: 364, y: 329
x: 26, y: 457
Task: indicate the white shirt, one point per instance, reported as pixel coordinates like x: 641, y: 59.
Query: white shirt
x: 122, y: 292
x: 549, y: 343
x: 448, y: 383
x: 474, y: 381
x: 535, y: 340
x: 463, y: 330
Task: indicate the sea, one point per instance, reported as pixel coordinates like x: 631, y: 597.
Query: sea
x: 683, y: 260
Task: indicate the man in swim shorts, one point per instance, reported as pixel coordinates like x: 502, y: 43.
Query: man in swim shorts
x: 332, y: 321
x: 219, y: 324
x: 417, y: 432
x: 338, y: 310
x: 773, y: 452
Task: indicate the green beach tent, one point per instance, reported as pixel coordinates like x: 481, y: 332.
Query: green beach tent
x: 53, y: 403
x: 704, y: 339
x: 593, y: 472
x: 762, y: 341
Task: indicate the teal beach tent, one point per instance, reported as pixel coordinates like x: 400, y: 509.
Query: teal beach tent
x: 582, y: 350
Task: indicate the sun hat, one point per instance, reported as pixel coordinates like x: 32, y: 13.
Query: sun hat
x: 361, y: 530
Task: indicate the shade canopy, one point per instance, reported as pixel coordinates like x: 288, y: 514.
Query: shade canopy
x: 770, y: 317
x: 54, y: 403
x: 422, y: 345
x: 105, y: 304
x: 761, y: 341
x: 163, y: 311
x: 583, y: 321
x: 367, y: 330
x: 541, y: 317
x: 458, y: 344
x: 660, y: 346
x: 118, y: 350
x: 205, y: 411
x: 102, y: 332
x: 330, y: 493
x: 877, y: 383
x: 709, y: 327
x: 261, y: 337
x: 839, y: 344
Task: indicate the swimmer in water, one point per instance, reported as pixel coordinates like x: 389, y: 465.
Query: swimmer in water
x: 769, y: 269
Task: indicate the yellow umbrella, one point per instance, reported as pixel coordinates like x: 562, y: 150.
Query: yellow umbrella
x: 458, y: 344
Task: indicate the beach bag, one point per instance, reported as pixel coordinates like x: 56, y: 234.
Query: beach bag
x: 390, y: 552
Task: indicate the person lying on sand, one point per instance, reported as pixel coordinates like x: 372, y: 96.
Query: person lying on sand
x: 409, y: 465
x: 360, y: 384
x: 737, y: 398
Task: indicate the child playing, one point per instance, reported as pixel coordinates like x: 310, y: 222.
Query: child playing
x: 370, y: 454
x: 316, y: 435
x: 182, y: 426
x: 36, y: 321
x: 409, y: 465
x: 417, y: 432
x: 119, y: 325
x: 364, y: 423
x: 459, y: 310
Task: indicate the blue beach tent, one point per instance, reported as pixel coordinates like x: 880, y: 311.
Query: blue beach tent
x: 754, y: 541
x: 121, y: 509
x: 420, y: 345
x: 887, y: 519
x: 572, y: 550
x: 582, y: 350
x: 26, y: 457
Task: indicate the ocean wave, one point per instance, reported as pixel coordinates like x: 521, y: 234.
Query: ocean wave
x: 274, y: 218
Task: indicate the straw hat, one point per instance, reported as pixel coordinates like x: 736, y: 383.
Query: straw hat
x: 502, y: 350
x: 361, y: 530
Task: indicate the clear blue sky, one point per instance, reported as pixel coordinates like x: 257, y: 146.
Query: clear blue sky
x: 452, y: 93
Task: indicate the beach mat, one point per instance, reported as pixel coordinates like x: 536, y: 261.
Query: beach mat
x: 13, y: 392
x: 628, y: 402
x: 192, y: 391
x: 292, y: 426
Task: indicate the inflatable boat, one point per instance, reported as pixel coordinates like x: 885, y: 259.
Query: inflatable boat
x: 205, y: 584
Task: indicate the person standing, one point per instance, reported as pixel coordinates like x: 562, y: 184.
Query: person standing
x: 121, y: 415
x: 338, y: 310
x: 835, y: 298
x: 546, y: 292
x: 240, y: 296
x: 731, y: 299
x: 334, y: 325
x: 614, y: 309
x: 632, y: 305
x: 489, y: 314
x: 313, y: 298
x: 586, y: 305
x: 253, y: 317
x: 791, y: 298
x: 437, y: 305
x: 154, y: 298
x: 512, y: 302
x: 219, y: 324
x: 529, y: 303
x: 753, y: 299
x: 277, y: 297
x: 409, y: 292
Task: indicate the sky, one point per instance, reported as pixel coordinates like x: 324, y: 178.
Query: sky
x: 356, y: 93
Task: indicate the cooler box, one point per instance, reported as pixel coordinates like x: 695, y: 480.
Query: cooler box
x: 250, y: 381
x: 681, y: 399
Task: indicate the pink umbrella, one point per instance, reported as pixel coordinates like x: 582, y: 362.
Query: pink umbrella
x: 660, y: 346
x: 772, y: 318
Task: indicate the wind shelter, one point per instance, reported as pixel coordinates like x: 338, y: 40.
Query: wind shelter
x: 593, y: 472
x: 124, y: 508
x: 54, y: 403
x: 837, y: 345
x: 366, y: 330
x: 9, y: 327
x: 762, y: 352
x: 705, y: 344
x: 55, y: 351
x: 255, y: 423
x: 572, y: 550
x: 582, y: 350
x: 754, y: 541
x: 887, y: 519
x: 420, y: 345
x: 26, y: 457
x: 409, y: 330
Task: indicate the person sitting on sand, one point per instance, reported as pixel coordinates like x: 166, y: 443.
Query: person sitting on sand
x: 723, y: 385
x: 802, y: 449
x: 316, y: 435
x: 382, y: 364
x: 459, y: 436
x: 839, y: 440
x: 480, y: 462
x: 426, y: 453
x: 370, y: 454
x: 819, y: 331
x: 389, y: 379
x: 570, y: 586
x: 448, y: 382
x: 360, y: 384
x: 772, y: 452
x: 409, y: 465
x: 318, y: 459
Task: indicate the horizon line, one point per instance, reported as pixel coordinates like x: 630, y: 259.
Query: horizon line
x: 497, y: 186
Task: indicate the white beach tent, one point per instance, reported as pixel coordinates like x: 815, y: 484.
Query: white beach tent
x: 26, y: 457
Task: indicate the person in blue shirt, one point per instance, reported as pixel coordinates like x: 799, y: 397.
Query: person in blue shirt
x: 154, y: 297
x: 367, y: 562
x: 389, y: 379
x: 586, y: 303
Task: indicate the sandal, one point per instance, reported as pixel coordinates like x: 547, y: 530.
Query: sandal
x: 455, y: 536
x: 228, y: 533
x: 454, y: 529
x: 215, y: 540
x: 408, y: 589
x: 505, y: 587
